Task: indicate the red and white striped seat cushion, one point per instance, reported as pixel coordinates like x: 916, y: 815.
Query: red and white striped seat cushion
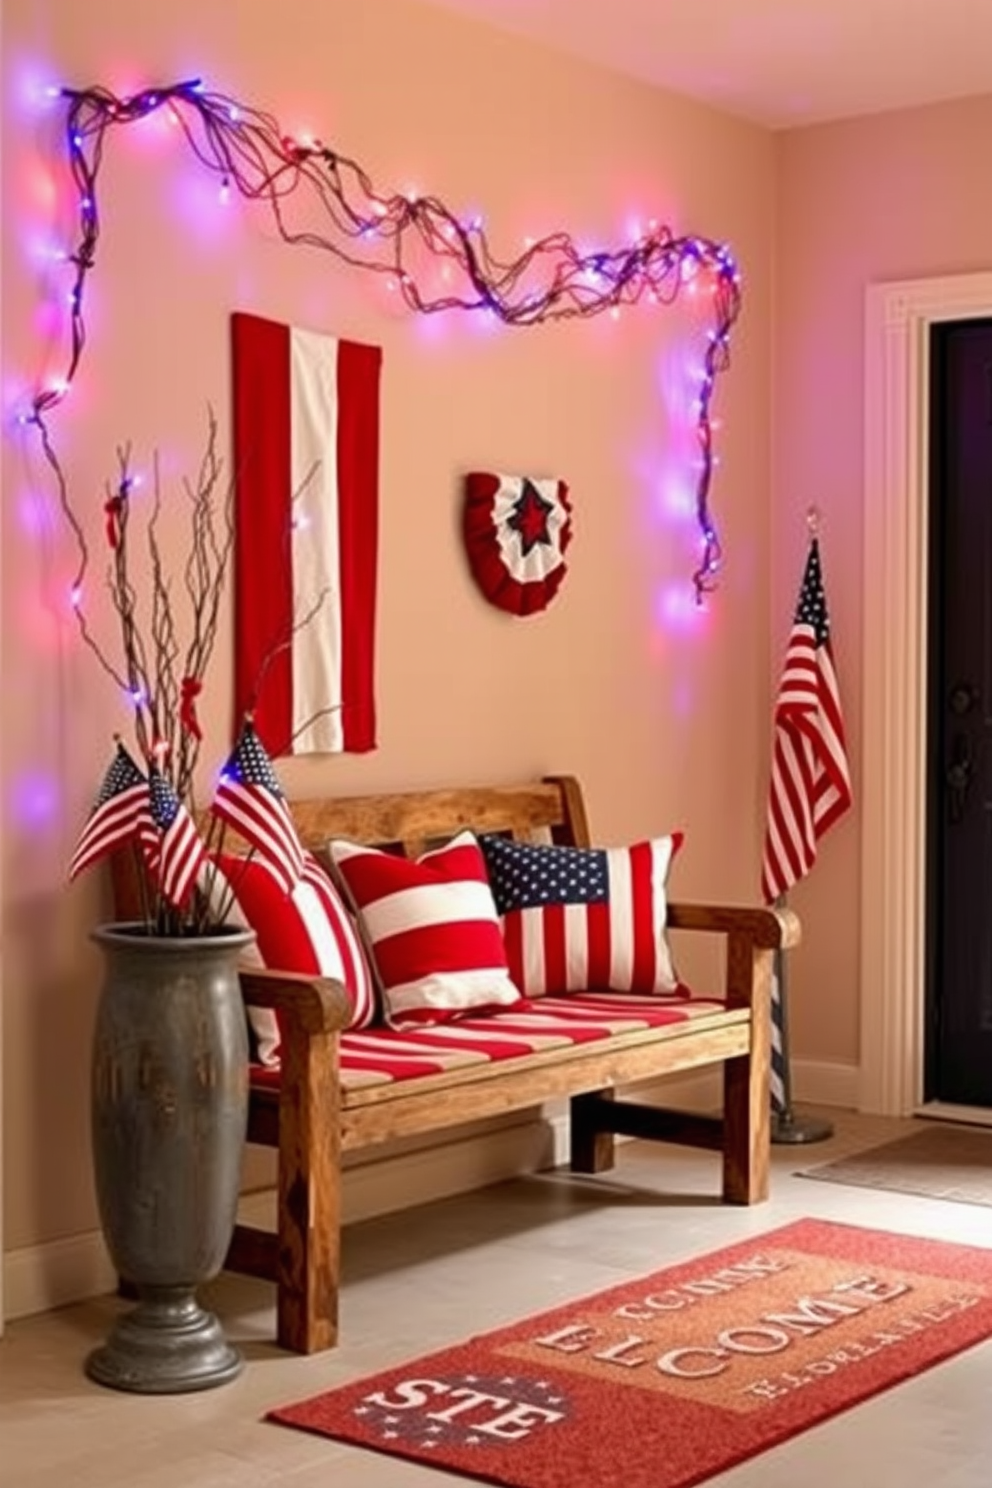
x: 308, y: 930
x: 384, y: 1056
x: 432, y: 928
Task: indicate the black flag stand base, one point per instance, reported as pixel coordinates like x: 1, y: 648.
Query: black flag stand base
x: 788, y: 1129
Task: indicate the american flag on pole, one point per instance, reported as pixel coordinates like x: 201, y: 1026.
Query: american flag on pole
x: 181, y: 852
x: 810, y: 781
x: 810, y: 786
x: 249, y: 798
x: 118, y: 813
x: 306, y: 438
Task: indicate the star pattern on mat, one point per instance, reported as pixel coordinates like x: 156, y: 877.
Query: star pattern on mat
x: 467, y: 1410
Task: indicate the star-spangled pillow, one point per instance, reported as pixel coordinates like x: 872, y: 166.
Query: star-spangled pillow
x: 432, y: 929
x: 308, y: 930
x: 584, y: 919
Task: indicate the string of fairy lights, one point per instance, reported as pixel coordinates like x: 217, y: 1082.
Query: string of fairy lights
x: 393, y: 235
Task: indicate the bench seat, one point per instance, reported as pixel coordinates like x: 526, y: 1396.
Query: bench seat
x: 386, y: 1056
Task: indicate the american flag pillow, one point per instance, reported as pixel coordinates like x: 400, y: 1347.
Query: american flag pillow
x: 432, y: 927
x: 578, y: 919
x: 308, y: 930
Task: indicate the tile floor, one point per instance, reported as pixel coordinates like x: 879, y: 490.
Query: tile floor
x: 433, y: 1275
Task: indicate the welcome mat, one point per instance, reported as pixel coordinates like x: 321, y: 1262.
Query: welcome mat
x: 662, y: 1382
x: 939, y: 1162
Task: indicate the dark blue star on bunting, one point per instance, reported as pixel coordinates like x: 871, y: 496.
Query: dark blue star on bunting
x: 530, y: 517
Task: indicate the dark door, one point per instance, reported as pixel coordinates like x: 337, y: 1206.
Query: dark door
x: 959, y: 841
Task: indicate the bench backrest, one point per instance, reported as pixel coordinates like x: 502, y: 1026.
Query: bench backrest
x: 412, y: 821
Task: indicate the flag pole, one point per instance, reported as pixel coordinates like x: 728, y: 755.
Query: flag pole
x: 810, y: 788
x: 788, y: 1129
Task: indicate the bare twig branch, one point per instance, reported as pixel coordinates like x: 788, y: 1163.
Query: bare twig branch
x: 282, y: 644
x: 205, y: 579
x: 165, y: 646
x: 270, y: 656
x: 308, y: 723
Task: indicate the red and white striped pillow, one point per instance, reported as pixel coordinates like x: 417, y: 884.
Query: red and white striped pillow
x: 432, y: 929
x: 308, y: 930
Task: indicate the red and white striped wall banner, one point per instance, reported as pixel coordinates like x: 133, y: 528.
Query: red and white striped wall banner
x: 306, y: 452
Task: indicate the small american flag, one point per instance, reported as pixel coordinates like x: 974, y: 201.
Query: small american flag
x: 250, y: 799
x: 181, y: 852
x: 810, y: 785
x: 117, y: 814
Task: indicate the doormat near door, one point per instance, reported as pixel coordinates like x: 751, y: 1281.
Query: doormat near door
x: 938, y: 1161
x: 662, y: 1382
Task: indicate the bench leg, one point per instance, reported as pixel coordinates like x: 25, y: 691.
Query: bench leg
x: 308, y: 1250
x: 592, y: 1150
x: 746, y: 1096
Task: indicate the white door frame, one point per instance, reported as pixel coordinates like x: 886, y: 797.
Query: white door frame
x: 893, y: 792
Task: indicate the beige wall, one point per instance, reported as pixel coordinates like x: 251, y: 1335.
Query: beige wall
x: 666, y: 720
x: 899, y: 196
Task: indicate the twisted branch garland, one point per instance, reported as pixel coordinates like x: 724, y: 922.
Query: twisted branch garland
x: 551, y: 280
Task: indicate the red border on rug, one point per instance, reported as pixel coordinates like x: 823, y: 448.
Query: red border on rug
x: 665, y: 1381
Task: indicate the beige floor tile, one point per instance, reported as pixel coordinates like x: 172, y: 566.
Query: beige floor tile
x: 433, y: 1275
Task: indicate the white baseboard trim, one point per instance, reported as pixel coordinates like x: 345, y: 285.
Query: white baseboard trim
x: 814, y: 1082
x: 40, y: 1277
x: 823, y: 1084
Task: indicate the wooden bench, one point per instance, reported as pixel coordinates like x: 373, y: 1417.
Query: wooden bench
x: 311, y: 1120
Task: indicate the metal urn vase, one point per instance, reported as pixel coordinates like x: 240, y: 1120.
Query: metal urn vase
x: 169, y: 1116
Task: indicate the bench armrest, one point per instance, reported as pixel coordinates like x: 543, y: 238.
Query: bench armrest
x: 311, y: 1004
x: 771, y: 929
x: 753, y: 934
